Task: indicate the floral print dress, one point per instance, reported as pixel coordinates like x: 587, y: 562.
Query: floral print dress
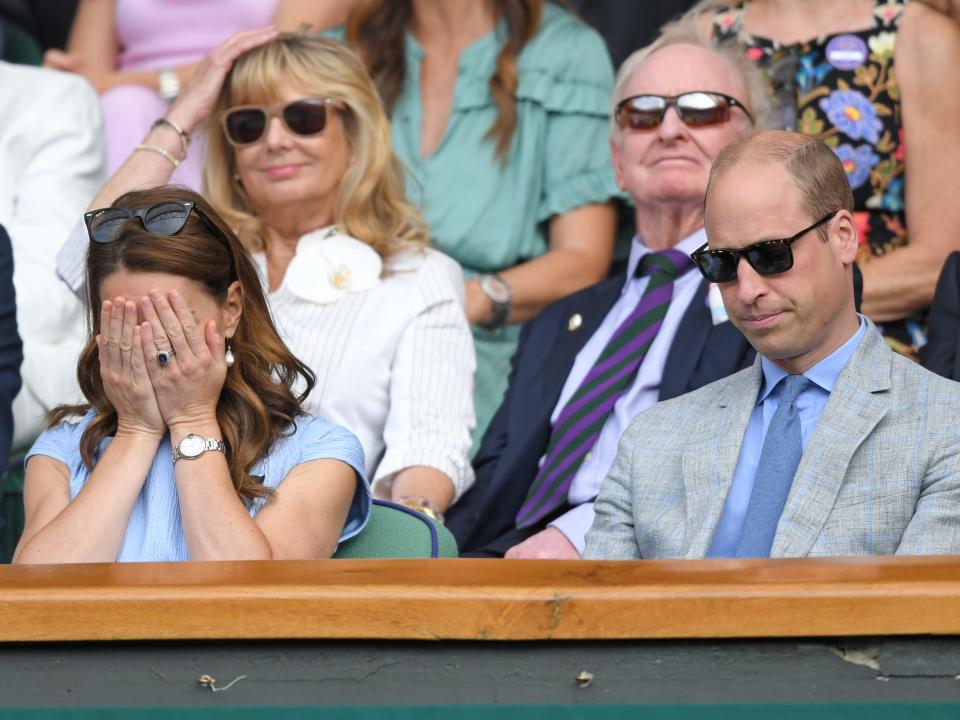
x: 843, y: 90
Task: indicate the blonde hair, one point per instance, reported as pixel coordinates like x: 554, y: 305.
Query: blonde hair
x: 372, y: 204
x: 686, y: 31
x: 815, y: 169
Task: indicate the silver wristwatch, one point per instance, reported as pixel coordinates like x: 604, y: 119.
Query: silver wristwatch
x: 169, y: 83
x: 193, y: 446
x: 501, y: 296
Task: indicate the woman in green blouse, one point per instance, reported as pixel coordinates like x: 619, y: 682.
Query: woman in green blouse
x: 499, y: 109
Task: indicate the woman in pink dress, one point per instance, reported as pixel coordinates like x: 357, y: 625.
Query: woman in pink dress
x: 137, y: 54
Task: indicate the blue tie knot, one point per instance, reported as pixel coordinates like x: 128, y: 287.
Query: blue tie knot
x: 793, y: 386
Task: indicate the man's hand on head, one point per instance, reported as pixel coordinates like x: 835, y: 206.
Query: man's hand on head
x: 549, y: 544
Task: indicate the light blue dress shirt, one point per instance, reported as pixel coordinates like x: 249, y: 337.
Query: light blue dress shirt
x: 810, y: 404
x: 642, y: 393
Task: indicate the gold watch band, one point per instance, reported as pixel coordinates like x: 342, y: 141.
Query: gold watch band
x: 423, y: 506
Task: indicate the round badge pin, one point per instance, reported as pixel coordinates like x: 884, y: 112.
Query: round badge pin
x: 847, y: 52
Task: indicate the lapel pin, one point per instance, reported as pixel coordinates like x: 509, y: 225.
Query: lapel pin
x: 574, y: 322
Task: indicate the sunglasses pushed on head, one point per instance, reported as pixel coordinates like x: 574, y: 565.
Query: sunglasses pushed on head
x: 166, y: 218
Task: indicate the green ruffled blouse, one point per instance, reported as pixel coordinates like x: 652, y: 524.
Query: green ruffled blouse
x: 490, y: 217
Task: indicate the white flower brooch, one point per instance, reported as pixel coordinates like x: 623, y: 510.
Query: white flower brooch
x: 329, y: 264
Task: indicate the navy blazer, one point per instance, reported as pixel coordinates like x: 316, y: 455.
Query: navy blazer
x: 508, y: 458
x: 941, y: 354
x: 11, y: 349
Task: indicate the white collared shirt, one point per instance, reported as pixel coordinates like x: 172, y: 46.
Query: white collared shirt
x: 394, y: 364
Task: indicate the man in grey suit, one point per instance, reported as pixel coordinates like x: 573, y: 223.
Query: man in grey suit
x: 831, y: 444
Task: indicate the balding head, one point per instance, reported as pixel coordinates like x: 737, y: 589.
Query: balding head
x: 814, y: 168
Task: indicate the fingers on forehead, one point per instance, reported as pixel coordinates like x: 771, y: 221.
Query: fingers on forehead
x: 148, y: 309
x: 179, y: 312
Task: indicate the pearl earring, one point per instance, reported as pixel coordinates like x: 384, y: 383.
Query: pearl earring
x: 228, y: 357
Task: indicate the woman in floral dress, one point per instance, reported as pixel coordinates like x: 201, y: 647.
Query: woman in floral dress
x: 869, y: 78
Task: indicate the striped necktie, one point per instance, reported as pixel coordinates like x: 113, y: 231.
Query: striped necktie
x: 579, y: 424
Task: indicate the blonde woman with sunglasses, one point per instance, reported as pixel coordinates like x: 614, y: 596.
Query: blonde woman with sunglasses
x: 300, y: 166
x: 138, y: 54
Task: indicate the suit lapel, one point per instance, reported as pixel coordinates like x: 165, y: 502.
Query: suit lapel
x: 708, y: 468
x: 687, y: 345
x: 592, y: 307
x: 855, y: 407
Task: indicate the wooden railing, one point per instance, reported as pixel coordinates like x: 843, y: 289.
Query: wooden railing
x: 480, y: 600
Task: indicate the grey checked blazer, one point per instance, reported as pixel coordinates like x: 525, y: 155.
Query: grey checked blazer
x: 880, y: 474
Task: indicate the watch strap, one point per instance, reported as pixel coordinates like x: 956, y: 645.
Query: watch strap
x: 499, y: 317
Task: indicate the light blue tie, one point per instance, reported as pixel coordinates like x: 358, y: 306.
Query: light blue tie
x: 782, y: 448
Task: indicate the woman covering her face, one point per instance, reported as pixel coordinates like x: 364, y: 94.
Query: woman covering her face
x: 192, y: 443
x: 300, y: 165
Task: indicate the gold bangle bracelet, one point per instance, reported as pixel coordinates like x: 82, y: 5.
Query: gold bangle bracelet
x: 184, y: 135
x: 160, y: 151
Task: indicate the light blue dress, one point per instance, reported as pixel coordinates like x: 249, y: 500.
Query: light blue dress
x: 155, y: 533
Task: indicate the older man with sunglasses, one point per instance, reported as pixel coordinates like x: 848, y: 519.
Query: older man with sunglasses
x: 831, y: 444
x: 589, y: 363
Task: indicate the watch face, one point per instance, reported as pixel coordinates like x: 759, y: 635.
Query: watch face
x: 495, y: 289
x: 192, y: 446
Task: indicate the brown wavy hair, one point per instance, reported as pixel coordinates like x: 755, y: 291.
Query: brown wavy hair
x: 371, y: 204
x: 258, y: 403
x: 375, y: 29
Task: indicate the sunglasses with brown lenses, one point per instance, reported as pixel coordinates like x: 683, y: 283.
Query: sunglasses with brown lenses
x: 247, y: 124
x: 695, y: 109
